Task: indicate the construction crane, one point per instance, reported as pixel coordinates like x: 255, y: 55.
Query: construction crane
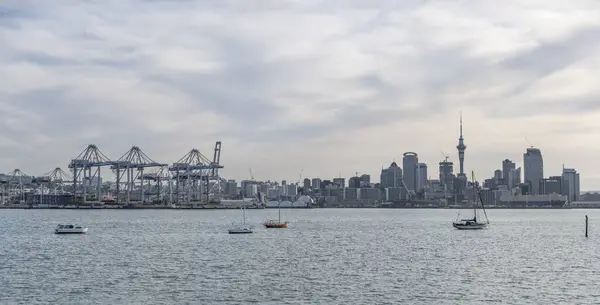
x: 530, y: 145
x: 445, y: 156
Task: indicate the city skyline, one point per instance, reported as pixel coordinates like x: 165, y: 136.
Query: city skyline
x: 311, y: 90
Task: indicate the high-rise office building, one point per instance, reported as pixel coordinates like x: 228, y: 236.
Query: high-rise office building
x: 507, y: 166
x: 514, y: 178
x: 306, y: 184
x: 409, y: 164
x: 570, y: 184
x: 420, y: 176
x: 391, y: 176
x: 316, y: 183
x: 447, y: 175
x: 533, y: 164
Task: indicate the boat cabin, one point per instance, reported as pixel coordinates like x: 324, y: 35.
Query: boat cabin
x: 69, y: 227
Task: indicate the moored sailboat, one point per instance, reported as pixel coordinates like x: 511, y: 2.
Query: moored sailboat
x: 243, y: 228
x: 276, y: 224
x: 473, y: 223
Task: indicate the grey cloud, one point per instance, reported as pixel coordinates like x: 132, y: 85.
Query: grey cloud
x: 550, y: 57
x: 247, y: 88
x: 559, y: 106
x: 44, y: 59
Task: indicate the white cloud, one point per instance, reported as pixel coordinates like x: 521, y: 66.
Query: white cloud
x: 323, y: 86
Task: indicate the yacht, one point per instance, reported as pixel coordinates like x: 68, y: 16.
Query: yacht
x: 242, y: 228
x: 70, y: 229
x: 473, y: 223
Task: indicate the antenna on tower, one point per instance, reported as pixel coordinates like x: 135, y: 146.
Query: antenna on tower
x: 461, y: 124
x: 530, y: 145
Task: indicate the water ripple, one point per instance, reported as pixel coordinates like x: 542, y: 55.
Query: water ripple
x: 329, y: 256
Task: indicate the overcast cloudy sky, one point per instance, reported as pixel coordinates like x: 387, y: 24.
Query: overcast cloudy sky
x: 326, y: 87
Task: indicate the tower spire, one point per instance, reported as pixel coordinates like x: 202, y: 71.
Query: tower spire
x: 461, y: 149
x: 461, y: 135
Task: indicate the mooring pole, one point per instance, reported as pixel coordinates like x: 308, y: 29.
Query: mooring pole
x: 586, y: 226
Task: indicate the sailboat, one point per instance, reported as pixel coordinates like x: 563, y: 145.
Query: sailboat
x: 473, y: 223
x: 243, y: 228
x: 276, y: 224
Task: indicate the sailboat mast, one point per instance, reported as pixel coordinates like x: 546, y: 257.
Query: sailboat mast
x: 474, y: 205
x: 244, y: 215
x: 279, y: 210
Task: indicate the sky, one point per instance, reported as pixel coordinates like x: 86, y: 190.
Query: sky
x: 305, y: 88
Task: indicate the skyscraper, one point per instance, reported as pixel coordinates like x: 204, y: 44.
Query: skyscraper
x: 514, y: 177
x: 533, y: 164
x: 391, y: 177
x: 461, y: 150
x: 409, y: 164
x: 447, y: 175
x: 570, y: 186
x: 507, y: 166
x: 421, y: 176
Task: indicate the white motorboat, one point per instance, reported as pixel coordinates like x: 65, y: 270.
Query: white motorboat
x: 243, y: 228
x: 70, y: 229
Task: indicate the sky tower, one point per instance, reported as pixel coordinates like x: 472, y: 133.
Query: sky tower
x: 461, y: 150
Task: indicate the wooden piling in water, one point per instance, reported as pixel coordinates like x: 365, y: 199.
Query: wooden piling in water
x: 586, y: 226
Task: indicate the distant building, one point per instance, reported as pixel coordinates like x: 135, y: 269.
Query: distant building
x: 507, y: 167
x: 365, y: 180
x: 367, y: 193
x: 421, y: 176
x: 339, y: 182
x: 316, y: 184
x: 552, y: 185
x: 409, y: 163
x: 350, y: 193
x: 534, y: 169
x: 391, y: 176
x: 447, y: 176
x: 291, y: 189
x: 306, y: 184
x: 460, y: 185
x: 354, y: 182
x: 231, y: 189
x: 514, y: 178
x: 570, y: 185
x: 394, y: 194
x: 498, y: 177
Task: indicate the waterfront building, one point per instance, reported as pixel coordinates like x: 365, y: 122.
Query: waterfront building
x: 421, y: 177
x: 570, y: 184
x: 534, y: 169
x: 391, y: 176
x: 409, y: 164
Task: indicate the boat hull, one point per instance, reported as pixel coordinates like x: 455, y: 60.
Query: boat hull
x: 70, y: 231
x: 240, y: 232
x: 276, y: 225
x: 472, y: 226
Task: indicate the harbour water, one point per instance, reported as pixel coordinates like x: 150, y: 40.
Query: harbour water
x: 326, y: 256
